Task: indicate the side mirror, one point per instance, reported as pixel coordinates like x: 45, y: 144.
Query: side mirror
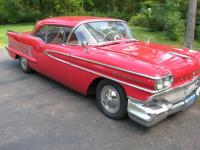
x: 85, y: 46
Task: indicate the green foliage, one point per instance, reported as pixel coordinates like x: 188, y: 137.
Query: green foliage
x: 139, y: 20
x: 66, y: 6
x: 158, y: 15
x: 162, y: 17
x: 198, y: 32
x: 174, y: 26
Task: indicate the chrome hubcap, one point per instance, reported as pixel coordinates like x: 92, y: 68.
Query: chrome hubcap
x: 24, y: 63
x: 110, y: 99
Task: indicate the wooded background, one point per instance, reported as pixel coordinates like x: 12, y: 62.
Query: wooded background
x: 169, y: 16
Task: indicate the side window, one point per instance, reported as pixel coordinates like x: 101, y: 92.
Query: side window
x: 57, y: 34
x: 41, y: 33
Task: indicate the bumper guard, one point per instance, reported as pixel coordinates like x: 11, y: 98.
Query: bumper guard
x: 155, y: 111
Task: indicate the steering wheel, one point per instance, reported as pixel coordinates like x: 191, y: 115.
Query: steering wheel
x: 114, y: 33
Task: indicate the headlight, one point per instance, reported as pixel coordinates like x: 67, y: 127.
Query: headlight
x: 163, y: 83
x: 167, y: 81
x: 159, y: 84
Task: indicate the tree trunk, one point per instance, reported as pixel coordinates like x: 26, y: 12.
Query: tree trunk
x: 191, y: 19
x: 42, y: 6
x: 114, y: 6
x: 82, y: 5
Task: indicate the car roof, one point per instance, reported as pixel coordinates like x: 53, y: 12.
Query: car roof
x: 71, y: 21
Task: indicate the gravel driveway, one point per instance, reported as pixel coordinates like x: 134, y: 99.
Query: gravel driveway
x: 37, y: 113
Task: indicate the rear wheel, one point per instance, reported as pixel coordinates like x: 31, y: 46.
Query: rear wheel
x: 24, y: 65
x: 111, y: 99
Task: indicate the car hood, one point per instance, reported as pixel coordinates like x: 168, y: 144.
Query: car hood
x: 179, y: 62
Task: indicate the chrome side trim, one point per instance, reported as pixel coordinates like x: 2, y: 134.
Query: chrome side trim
x: 58, y: 59
x: 46, y: 52
x: 156, y: 93
x: 108, y: 77
x: 94, y: 72
x: 117, y: 68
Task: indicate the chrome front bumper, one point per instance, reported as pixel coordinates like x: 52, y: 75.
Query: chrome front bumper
x: 157, y: 110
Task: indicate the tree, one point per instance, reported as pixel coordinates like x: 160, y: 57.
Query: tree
x: 191, y: 19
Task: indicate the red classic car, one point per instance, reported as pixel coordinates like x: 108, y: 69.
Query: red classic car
x: 99, y: 56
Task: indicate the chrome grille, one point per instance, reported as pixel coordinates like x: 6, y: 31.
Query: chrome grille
x: 178, y: 94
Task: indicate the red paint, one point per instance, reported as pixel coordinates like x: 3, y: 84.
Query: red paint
x: 149, y: 59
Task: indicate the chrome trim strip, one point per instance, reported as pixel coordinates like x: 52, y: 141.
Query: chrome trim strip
x: 21, y: 43
x: 120, y: 69
x: 60, y: 60
x: 94, y: 72
x: 21, y: 47
x: 180, y: 55
x: 128, y: 84
x: 46, y: 51
x: 108, y: 77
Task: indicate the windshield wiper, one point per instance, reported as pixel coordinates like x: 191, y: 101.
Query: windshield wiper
x: 108, y: 43
x: 130, y: 40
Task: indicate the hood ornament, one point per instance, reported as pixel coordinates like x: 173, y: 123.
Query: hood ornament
x: 148, y: 40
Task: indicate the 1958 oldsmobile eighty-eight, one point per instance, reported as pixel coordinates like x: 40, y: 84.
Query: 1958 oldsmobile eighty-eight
x: 100, y: 56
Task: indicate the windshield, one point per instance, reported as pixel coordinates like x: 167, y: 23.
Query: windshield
x: 100, y: 32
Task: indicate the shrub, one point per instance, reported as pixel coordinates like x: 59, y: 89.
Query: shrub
x: 174, y: 26
x: 163, y: 17
x: 157, y: 18
x: 139, y: 20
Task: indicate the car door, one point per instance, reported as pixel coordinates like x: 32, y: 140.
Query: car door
x: 80, y: 75
x: 53, y: 56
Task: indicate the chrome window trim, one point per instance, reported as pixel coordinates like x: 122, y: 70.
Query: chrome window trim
x: 97, y: 73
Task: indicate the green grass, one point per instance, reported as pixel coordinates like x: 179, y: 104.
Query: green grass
x: 139, y: 32
x: 15, y: 27
x: 158, y: 37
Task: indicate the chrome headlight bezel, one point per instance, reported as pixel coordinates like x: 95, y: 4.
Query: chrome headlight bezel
x: 163, y: 83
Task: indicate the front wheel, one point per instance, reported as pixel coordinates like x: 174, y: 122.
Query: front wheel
x: 111, y: 99
x: 24, y: 65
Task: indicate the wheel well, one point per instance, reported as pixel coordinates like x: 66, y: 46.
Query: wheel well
x: 17, y: 57
x: 93, y: 86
